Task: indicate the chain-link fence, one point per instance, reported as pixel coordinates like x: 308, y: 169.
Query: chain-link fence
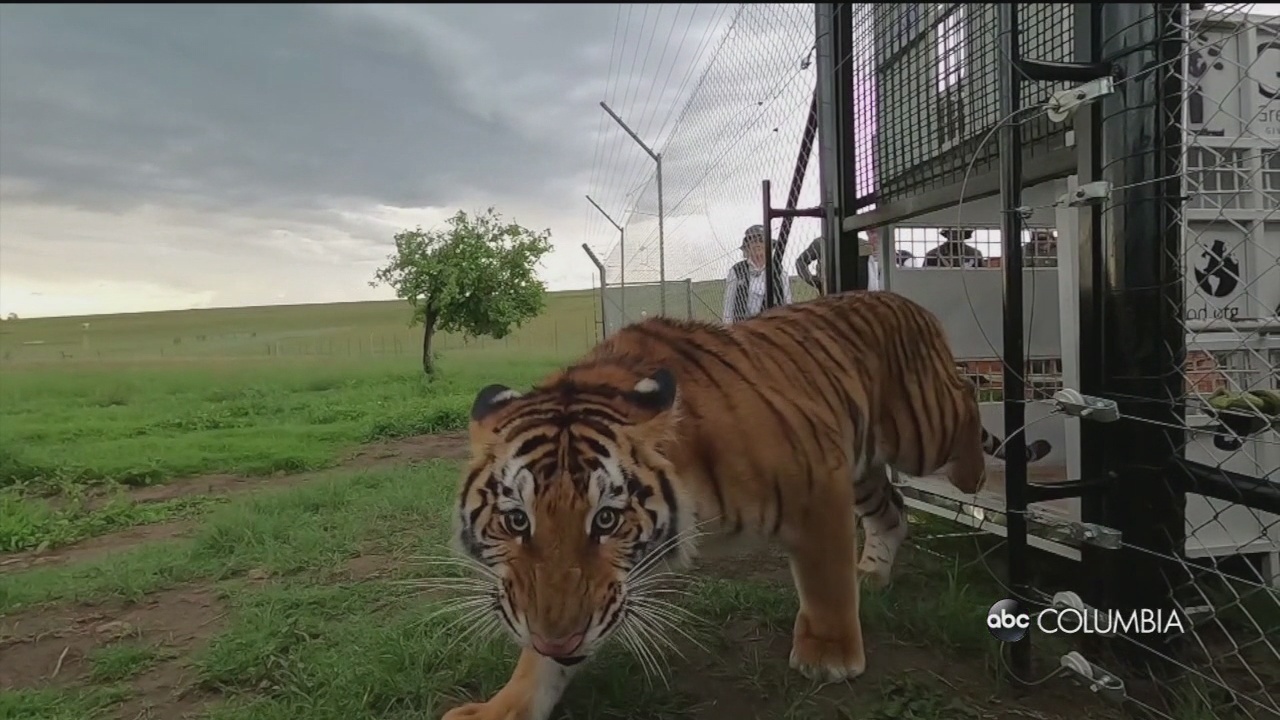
x: 745, y: 117
x: 1132, y: 147
x: 1224, y: 577
x: 1132, y: 150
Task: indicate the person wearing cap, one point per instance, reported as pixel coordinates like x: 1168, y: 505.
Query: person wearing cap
x: 954, y: 251
x: 745, y: 286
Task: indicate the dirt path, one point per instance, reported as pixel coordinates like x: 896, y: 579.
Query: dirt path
x: 52, y: 647
x: 405, y: 451
x: 394, y: 453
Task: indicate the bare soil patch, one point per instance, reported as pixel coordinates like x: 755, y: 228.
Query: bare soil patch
x: 439, y: 446
x: 368, y: 567
x: 97, y: 546
x: 50, y: 646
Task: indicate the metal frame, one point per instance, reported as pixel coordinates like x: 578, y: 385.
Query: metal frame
x: 662, y: 238
x: 849, y: 271
x: 773, y: 255
x: 1053, y: 165
x: 1132, y: 337
x: 1141, y: 276
x: 824, y: 96
x: 599, y: 266
x: 622, y: 251
x: 1015, y: 363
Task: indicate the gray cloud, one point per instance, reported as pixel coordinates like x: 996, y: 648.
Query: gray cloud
x: 110, y: 107
x: 222, y: 155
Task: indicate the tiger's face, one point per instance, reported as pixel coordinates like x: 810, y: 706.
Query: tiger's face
x: 570, y: 505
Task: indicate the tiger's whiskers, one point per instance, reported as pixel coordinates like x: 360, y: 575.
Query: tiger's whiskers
x: 648, y: 618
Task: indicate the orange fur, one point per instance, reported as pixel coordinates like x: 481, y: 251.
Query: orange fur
x: 781, y: 426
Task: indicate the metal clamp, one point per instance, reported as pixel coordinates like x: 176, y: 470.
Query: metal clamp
x: 1087, y: 194
x: 1086, y: 407
x: 1067, y: 600
x: 1078, y: 532
x: 1064, y: 103
x: 1101, y: 682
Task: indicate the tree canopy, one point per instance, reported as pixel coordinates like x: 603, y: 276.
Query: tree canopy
x: 477, y: 275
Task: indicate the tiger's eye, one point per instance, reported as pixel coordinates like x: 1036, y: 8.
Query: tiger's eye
x: 516, y: 522
x: 606, y: 520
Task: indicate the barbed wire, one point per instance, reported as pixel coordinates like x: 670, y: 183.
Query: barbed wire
x: 743, y: 121
x: 619, y: 165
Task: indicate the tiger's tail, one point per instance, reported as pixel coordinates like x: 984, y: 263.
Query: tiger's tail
x: 994, y: 446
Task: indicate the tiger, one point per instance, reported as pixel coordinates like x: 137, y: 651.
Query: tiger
x: 781, y: 427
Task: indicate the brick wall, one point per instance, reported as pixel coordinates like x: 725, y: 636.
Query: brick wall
x: 1201, y: 372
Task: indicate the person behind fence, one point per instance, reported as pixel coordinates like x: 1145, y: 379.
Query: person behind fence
x: 744, y: 287
x: 953, y: 251
x: 1041, y: 250
x: 870, y: 249
x: 812, y: 256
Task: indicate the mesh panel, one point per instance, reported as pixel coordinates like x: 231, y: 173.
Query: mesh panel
x: 1230, y: 230
x: 929, y: 90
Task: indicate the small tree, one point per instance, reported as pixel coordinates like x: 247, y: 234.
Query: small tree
x: 475, y: 276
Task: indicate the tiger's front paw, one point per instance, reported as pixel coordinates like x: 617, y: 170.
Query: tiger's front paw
x: 492, y: 710
x: 829, y: 654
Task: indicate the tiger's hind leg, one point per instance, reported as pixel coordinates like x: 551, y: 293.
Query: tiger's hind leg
x: 827, y: 639
x: 882, y: 510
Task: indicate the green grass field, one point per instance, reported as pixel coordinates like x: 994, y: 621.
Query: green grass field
x: 186, y: 534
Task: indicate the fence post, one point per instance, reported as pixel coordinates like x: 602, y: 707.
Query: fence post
x: 771, y: 258
x: 852, y: 271
x: 622, y: 253
x: 599, y: 266
x: 657, y: 159
x: 824, y: 93
x: 1015, y: 365
x: 1143, y: 341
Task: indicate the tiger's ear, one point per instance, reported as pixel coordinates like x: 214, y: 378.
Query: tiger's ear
x: 655, y: 394
x: 490, y: 399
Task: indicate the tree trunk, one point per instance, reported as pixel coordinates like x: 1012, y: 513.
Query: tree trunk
x: 428, y: 360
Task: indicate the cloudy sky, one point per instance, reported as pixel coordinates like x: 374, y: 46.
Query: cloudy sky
x: 196, y: 156
x: 159, y: 157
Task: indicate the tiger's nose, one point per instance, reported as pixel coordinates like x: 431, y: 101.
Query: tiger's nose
x: 557, y: 647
